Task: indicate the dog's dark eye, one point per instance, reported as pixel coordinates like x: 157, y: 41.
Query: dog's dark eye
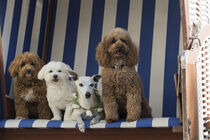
x: 22, y: 65
x: 59, y: 71
x: 32, y: 64
x: 81, y: 85
x: 50, y: 71
x: 123, y: 40
x: 91, y: 85
x: 113, y: 40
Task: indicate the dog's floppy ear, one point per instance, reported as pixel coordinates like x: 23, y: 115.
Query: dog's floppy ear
x: 133, y: 56
x: 73, y: 75
x: 67, y: 68
x: 13, y: 68
x: 102, y: 56
x: 41, y: 72
x: 96, y: 78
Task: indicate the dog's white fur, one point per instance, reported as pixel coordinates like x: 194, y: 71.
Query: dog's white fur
x: 59, y: 90
x: 87, y: 103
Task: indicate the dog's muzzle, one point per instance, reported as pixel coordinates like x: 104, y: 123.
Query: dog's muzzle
x: 55, y: 78
x: 28, y: 73
x: 87, y: 95
x: 119, y: 50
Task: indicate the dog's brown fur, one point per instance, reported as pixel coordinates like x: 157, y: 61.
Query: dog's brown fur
x: 36, y: 107
x: 122, y: 89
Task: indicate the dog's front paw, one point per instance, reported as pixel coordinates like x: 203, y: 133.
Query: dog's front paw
x: 56, y: 118
x: 81, y: 127
x: 133, y: 118
x: 67, y: 119
x: 110, y: 120
x: 94, y: 121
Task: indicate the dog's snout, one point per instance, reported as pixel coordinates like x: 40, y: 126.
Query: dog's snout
x: 28, y: 70
x: 119, y: 47
x: 55, y: 76
x: 87, y: 94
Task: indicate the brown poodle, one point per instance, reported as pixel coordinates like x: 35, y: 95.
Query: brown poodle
x: 30, y: 93
x: 122, y: 89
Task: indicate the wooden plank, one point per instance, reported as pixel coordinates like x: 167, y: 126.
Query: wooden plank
x: 185, y: 23
x: 192, y: 101
x: 184, y: 105
x: 191, y: 92
x: 90, y: 134
x: 177, y: 129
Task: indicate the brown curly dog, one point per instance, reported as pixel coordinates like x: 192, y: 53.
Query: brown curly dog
x: 30, y: 93
x: 122, y: 89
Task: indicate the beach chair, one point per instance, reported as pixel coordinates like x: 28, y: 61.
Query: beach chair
x: 168, y: 33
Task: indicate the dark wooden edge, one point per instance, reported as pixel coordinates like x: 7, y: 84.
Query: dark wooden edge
x: 177, y: 129
x: 48, y: 30
x: 180, y: 89
x: 10, y: 108
x: 178, y: 96
x: 177, y: 80
x: 93, y: 134
x: 110, y: 131
x: 185, y: 23
x: 7, y: 103
x: 184, y: 104
x: 2, y: 81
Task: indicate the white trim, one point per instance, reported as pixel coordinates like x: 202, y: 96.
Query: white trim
x: 40, y: 123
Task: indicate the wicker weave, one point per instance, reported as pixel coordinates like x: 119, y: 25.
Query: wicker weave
x: 203, y: 86
x: 199, y: 12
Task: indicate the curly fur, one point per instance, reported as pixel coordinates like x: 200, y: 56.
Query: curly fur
x: 30, y: 93
x: 122, y: 88
x: 59, y: 88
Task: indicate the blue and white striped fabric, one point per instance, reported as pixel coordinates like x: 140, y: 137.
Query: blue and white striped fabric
x: 149, y: 122
x: 77, y: 28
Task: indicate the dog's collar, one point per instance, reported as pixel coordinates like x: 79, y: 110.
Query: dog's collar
x: 118, y: 67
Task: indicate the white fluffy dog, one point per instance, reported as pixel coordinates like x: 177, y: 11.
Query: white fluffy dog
x: 59, y: 88
x: 87, y: 102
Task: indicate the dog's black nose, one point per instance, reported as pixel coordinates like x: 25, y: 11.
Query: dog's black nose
x: 119, y: 47
x: 87, y: 94
x: 55, y: 76
x: 28, y: 70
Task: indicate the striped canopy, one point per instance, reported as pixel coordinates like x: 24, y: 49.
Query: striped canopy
x: 79, y: 25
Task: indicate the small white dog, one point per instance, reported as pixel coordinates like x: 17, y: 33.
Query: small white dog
x: 87, y: 102
x: 59, y: 88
